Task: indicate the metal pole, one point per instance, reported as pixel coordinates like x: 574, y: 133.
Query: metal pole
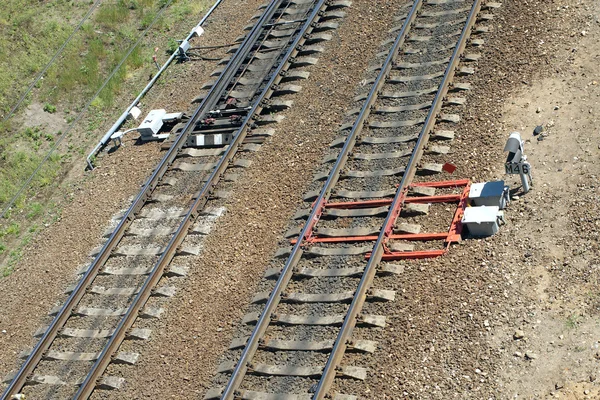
x: 123, y: 116
x: 524, y: 182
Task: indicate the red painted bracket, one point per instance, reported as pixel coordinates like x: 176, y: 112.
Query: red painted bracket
x: 452, y: 236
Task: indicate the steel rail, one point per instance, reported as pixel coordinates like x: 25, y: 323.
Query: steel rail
x: 360, y: 295
x: 77, y: 294
x: 202, y: 198
x: 149, y: 86
x: 241, y: 367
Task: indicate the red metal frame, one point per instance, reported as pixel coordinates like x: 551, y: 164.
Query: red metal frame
x: 452, y: 236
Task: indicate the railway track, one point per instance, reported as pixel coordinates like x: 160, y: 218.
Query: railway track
x: 165, y: 222
x: 377, y: 200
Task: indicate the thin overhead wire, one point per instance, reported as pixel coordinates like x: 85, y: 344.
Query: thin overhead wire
x: 81, y: 113
x: 56, y: 55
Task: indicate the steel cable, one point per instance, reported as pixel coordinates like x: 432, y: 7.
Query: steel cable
x: 81, y: 113
x: 58, y: 53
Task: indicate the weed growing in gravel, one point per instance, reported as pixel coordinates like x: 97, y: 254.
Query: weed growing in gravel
x: 15, y: 255
x: 49, y: 108
x: 573, y: 321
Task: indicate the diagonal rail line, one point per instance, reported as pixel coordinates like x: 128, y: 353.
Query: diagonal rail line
x: 208, y: 103
x: 201, y: 200
x: 263, y: 322
x: 360, y: 295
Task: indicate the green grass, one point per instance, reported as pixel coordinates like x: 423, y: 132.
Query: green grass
x: 573, y: 321
x: 35, y: 210
x: 30, y: 33
x: 18, y: 163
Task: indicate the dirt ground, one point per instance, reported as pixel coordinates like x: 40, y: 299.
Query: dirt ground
x: 516, y: 315
x: 512, y: 316
x: 88, y: 200
x: 559, y: 223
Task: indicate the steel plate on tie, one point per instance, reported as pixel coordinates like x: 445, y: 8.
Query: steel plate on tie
x: 329, y: 272
x: 338, y: 251
x: 285, y: 370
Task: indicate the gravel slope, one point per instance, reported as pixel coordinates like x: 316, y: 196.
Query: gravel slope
x: 90, y: 199
x: 180, y: 360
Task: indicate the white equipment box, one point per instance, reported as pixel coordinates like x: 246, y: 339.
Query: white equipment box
x: 149, y: 129
x: 481, y: 221
x: 489, y: 194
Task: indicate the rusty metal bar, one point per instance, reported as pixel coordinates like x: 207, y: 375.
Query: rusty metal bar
x: 201, y: 199
x: 360, y: 296
x: 413, y: 237
x: 63, y: 315
x: 263, y: 322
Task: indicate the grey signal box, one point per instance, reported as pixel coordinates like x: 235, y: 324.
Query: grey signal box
x: 489, y: 194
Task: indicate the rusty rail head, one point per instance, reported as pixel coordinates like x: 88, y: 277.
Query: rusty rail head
x: 358, y: 301
x: 88, y: 385
x: 263, y: 322
x: 63, y: 315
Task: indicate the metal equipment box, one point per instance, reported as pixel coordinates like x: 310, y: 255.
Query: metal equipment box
x: 489, y: 194
x: 152, y: 123
x: 481, y: 221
